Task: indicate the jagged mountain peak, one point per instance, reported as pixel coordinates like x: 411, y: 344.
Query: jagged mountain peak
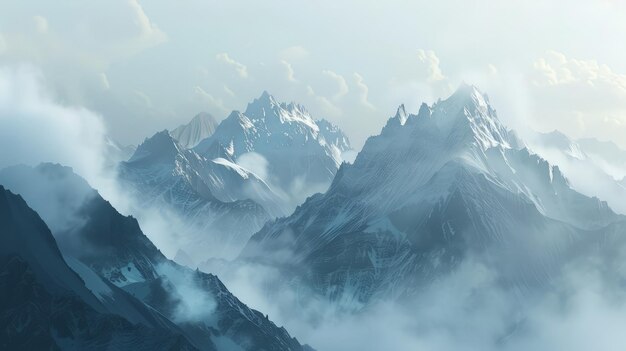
x: 467, y: 99
x: 468, y: 111
x: 464, y: 119
x: 269, y: 109
x: 265, y: 101
x: 265, y: 95
x: 268, y: 100
x: 296, y: 147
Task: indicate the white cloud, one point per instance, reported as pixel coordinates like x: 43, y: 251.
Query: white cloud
x: 146, y: 27
x: 34, y: 129
x: 557, y: 69
x: 192, y: 301
x: 466, y: 309
x: 418, y: 78
x: 73, y: 42
x: 256, y: 163
x: 342, y: 85
x: 241, y: 69
x: 289, y: 71
x: 363, y: 90
x: 430, y: 62
x: 579, y: 97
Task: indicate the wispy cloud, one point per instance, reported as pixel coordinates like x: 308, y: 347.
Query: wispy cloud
x: 342, y: 85
x: 363, y: 90
x: 290, y: 74
x: 240, y: 68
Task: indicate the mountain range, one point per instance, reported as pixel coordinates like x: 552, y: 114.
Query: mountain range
x: 296, y: 148
x: 254, y: 166
x: 267, y: 190
x: 430, y: 192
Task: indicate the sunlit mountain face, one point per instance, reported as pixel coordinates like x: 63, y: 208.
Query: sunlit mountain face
x: 228, y: 176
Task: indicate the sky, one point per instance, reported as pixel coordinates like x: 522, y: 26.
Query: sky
x: 144, y: 66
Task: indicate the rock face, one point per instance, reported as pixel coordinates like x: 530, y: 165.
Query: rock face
x: 110, y: 252
x: 433, y: 189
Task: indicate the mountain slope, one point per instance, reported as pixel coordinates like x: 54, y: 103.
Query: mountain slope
x: 199, y: 128
x: 208, y: 314
x: 219, y: 204
x: 96, y: 234
x: 46, y: 305
x: 428, y: 193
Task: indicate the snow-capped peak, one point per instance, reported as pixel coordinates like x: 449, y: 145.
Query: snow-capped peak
x: 282, y: 139
x: 468, y: 116
x: 268, y: 108
x: 464, y: 119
